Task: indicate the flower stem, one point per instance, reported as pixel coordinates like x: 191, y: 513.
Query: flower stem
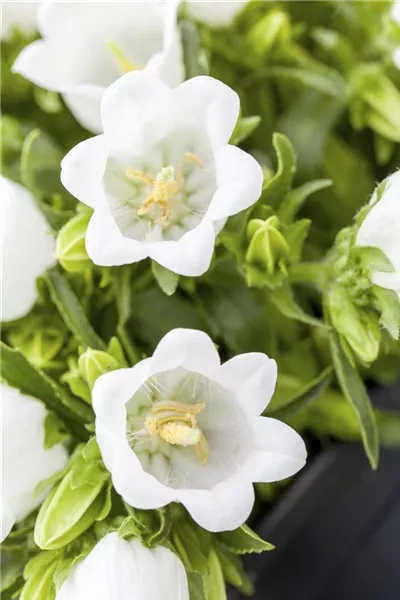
x: 309, y: 272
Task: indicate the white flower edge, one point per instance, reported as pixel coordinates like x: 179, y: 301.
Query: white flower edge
x: 381, y: 228
x: 121, y: 570
x: 220, y: 13
x: 277, y: 451
x: 18, y: 15
x: 28, y: 249
x: 25, y: 461
x: 52, y: 62
x: 131, y: 110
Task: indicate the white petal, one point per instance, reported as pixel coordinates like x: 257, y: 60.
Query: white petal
x: 84, y: 103
x: 7, y: 518
x: 82, y: 171
x: 19, y: 15
x: 209, y: 101
x: 223, y: 508
x: 253, y: 377
x: 132, y: 112
x: 194, y: 350
x: 191, y: 254
x: 239, y: 181
x: 106, y: 245
x: 27, y: 248
x: 218, y: 13
x: 279, y: 451
x: 45, y: 64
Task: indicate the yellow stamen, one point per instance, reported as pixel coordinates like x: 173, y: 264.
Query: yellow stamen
x: 124, y: 64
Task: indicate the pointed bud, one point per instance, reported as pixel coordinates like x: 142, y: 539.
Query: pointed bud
x: 94, y: 363
x: 266, y: 253
x: 70, y: 246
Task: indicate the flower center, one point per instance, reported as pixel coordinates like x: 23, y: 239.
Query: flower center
x: 124, y: 64
x: 175, y: 423
x: 164, y: 187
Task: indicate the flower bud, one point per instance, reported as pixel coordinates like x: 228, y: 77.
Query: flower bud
x: 70, y: 246
x: 266, y: 253
x: 76, y: 503
x: 94, y: 363
x: 359, y: 327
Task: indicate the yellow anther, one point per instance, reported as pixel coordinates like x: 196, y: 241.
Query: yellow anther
x: 179, y: 434
x: 140, y: 176
x: 124, y: 64
x: 180, y: 407
x: 191, y: 157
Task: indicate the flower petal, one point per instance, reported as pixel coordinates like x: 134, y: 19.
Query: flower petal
x: 253, y: 377
x: 45, y: 64
x: 239, y: 181
x: 189, y: 348
x: 82, y: 171
x: 106, y: 245
x: 205, y: 99
x: 84, y: 103
x: 279, y: 451
x: 191, y: 254
x: 222, y: 508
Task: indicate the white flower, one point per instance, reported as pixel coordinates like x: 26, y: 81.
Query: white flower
x: 86, y: 46
x: 27, y: 248
x: 215, y: 13
x: 119, y: 570
x: 179, y: 427
x: 381, y: 229
x: 25, y: 462
x: 163, y: 178
x: 18, y: 15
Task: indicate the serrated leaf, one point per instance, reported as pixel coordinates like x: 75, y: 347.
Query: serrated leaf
x: 71, y: 311
x: 17, y: 372
x: 353, y: 389
x: 296, y: 198
x: 278, y: 187
x: 166, y: 279
x: 389, y: 308
x: 310, y: 392
x: 244, y: 128
x: 244, y: 541
x: 129, y: 529
x: 197, y: 590
x: 284, y: 300
x: 373, y: 258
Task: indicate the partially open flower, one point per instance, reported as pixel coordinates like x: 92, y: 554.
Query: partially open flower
x: 381, y: 229
x: 86, y: 46
x: 119, y: 570
x: 27, y: 248
x: 25, y: 461
x: 162, y: 179
x: 180, y: 427
x: 215, y: 13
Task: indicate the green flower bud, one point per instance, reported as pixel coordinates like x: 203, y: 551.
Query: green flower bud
x: 270, y: 32
x: 40, y: 585
x: 94, y: 363
x: 358, y: 326
x: 267, y: 252
x: 70, y: 246
x: 79, y: 500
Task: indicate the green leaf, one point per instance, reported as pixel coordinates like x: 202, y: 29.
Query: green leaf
x: 17, y: 372
x: 166, y: 279
x: 54, y: 431
x: 71, y: 310
x: 295, y: 235
x: 244, y: 128
x: 40, y: 163
x: 43, y: 485
x: 233, y: 571
x: 286, y: 304
x: 12, y: 567
x: 123, y: 296
x: 296, y: 198
x: 244, y: 541
x: 194, y: 59
x: 389, y: 308
x: 214, y: 579
x: 278, y: 187
x: 353, y: 389
x: 197, y: 590
x: 373, y: 258
x: 324, y: 80
x: 310, y: 392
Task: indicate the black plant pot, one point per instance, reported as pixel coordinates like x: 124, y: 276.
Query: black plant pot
x: 336, y: 530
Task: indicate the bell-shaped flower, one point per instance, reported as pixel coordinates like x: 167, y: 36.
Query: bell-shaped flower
x: 86, y: 46
x: 179, y: 427
x: 20, y: 16
x: 25, y: 461
x: 215, y: 14
x: 125, y: 570
x: 381, y: 229
x: 27, y: 247
x: 162, y: 179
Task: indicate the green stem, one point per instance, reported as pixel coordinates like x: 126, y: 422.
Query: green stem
x: 309, y: 272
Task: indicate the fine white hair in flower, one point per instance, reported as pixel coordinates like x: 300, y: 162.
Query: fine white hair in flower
x: 19, y: 16
x: 381, y: 229
x: 179, y: 427
x: 27, y: 247
x: 125, y: 570
x: 25, y: 461
x: 86, y: 46
x: 162, y: 179
x: 219, y: 13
